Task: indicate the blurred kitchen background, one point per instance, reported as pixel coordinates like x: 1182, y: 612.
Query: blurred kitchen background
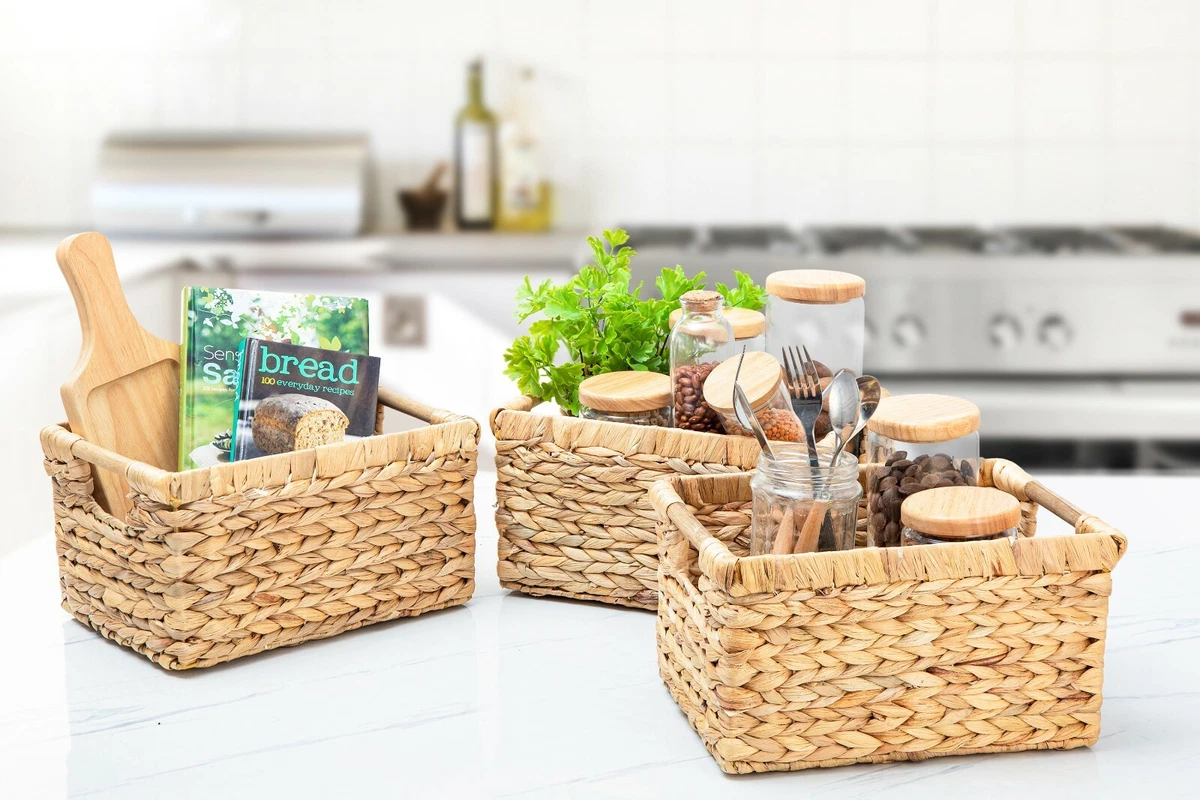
x: 1018, y: 180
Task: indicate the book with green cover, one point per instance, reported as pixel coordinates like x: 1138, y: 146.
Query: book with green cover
x: 291, y: 397
x: 215, y: 321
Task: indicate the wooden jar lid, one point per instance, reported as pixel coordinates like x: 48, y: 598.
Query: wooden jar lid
x: 815, y: 286
x: 746, y: 322
x: 626, y: 392
x: 761, y: 373
x: 924, y: 418
x: 960, y: 512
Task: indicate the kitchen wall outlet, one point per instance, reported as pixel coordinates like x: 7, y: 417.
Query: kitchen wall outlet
x: 404, y: 320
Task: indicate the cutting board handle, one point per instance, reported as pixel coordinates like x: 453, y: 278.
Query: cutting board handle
x: 86, y: 261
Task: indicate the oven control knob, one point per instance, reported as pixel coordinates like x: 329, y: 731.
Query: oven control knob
x: 1004, y: 331
x: 1054, y: 332
x: 908, y: 331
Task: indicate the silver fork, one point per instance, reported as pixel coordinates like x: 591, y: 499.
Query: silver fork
x: 804, y: 385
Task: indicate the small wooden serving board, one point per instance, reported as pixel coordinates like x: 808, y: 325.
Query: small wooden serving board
x: 124, y: 392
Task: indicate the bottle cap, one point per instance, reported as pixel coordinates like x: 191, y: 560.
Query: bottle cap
x: 960, y: 512
x: 761, y: 374
x: 924, y: 418
x: 701, y: 300
x: 626, y: 392
x: 815, y: 286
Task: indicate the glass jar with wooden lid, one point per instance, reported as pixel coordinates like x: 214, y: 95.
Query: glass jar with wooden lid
x: 822, y: 310
x: 959, y: 514
x: 800, y: 510
x: 916, y: 442
x: 761, y: 378
x: 633, y: 397
x: 749, y: 326
x: 701, y: 340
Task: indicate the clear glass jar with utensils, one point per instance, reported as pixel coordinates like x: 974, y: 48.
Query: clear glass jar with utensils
x: 821, y: 309
x: 632, y: 397
x: 916, y: 442
x: 700, y: 341
x: 761, y: 378
x: 749, y: 327
x: 959, y: 514
x: 800, y: 510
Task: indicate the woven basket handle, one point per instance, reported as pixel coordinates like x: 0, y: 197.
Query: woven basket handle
x: 523, y: 403
x: 1008, y: 476
x: 714, y: 557
x: 415, y: 408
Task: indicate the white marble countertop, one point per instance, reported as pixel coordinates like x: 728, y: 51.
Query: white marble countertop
x: 511, y: 696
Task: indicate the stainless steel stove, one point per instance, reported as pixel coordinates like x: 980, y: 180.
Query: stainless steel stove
x: 1081, y: 344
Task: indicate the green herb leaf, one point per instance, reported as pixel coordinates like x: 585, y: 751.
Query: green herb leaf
x: 746, y: 294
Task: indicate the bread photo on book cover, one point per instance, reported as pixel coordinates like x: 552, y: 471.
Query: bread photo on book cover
x: 288, y: 422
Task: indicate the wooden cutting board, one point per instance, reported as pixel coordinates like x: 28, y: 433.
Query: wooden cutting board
x: 124, y: 392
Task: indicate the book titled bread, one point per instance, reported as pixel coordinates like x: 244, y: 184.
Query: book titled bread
x: 291, y: 398
x: 215, y: 321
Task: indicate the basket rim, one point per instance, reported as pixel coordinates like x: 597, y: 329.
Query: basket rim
x: 575, y: 433
x: 1096, y: 546
x: 175, y: 488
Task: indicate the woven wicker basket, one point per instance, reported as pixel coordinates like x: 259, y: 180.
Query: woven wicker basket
x: 571, y: 505
x: 824, y: 659
x: 218, y: 563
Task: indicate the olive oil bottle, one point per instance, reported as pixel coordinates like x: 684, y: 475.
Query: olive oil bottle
x: 524, y: 191
x: 475, y: 168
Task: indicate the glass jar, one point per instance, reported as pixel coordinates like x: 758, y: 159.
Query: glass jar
x: 798, y: 511
x: 699, y: 342
x: 822, y: 310
x: 916, y: 442
x: 959, y: 514
x: 761, y: 378
x: 749, y: 327
x: 633, y: 397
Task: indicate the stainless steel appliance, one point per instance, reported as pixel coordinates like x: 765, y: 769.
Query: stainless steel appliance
x: 237, y: 184
x: 1081, y: 345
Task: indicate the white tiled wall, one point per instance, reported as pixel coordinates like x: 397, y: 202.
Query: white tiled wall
x: 690, y: 110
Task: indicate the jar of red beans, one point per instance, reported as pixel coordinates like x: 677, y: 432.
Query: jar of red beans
x: 761, y: 378
x: 699, y: 342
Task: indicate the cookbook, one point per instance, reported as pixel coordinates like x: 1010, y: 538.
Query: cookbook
x: 291, y: 397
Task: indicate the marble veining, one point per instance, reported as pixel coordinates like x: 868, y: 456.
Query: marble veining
x: 511, y: 696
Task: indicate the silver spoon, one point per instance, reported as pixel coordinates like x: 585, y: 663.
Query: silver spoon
x: 869, y: 392
x: 744, y: 412
x: 844, y: 399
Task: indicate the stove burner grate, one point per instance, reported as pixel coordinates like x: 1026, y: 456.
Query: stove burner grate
x: 649, y: 236
x: 751, y: 237
x: 1159, y: 238
x: 1060, y: 241
x: 864, y: 239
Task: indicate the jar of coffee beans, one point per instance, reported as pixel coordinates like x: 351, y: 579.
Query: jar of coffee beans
x: 701, y: 340
x: 635, y: 398
x: 761, y: 378
x: 798, y: 510
x: 916, y: 442
x: 821, y: 309
x: 959, y: 514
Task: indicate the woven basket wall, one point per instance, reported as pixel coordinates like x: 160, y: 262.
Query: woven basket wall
x: 571, y: 505
x: 880, y: 654
x: 219, y: 563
